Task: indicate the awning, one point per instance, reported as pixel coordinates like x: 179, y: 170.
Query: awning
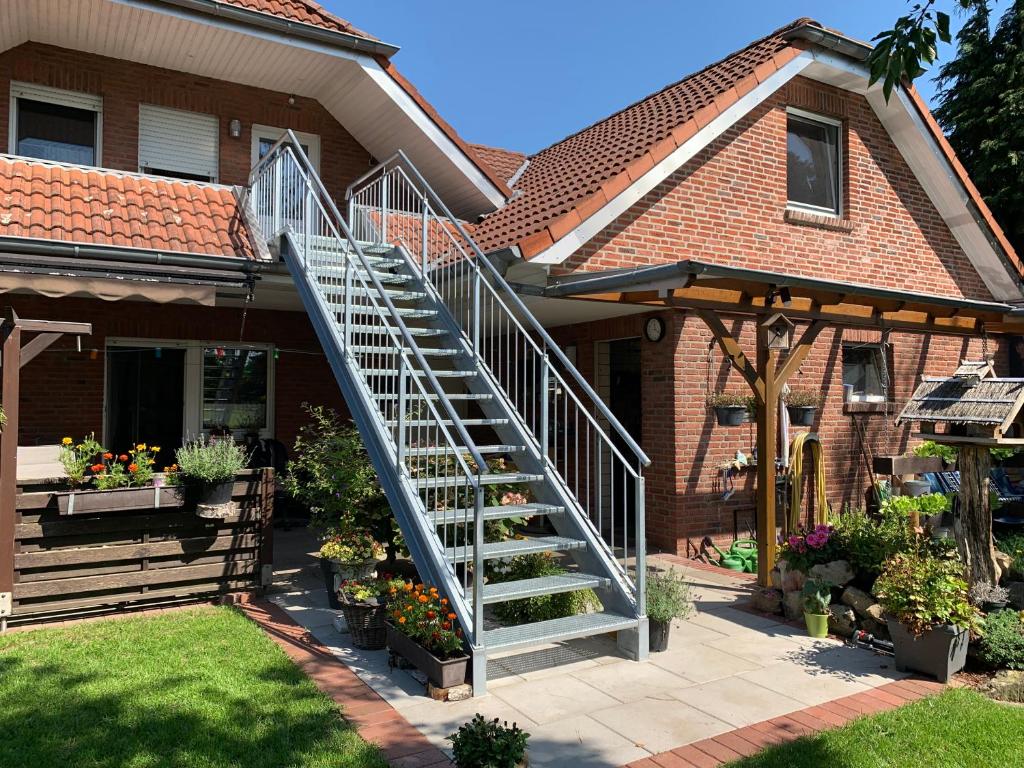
x: 698, y: 285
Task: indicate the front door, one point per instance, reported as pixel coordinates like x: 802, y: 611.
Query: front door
x: 146, y: 399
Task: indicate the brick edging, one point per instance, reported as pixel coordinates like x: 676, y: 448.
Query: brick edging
x: 374, y: 719
x: 751, y: 739
x: 700, y: 565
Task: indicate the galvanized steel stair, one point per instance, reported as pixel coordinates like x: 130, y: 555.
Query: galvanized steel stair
x: 432, y: 413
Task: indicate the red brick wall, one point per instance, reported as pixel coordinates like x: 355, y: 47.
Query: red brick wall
x: 62, y: 389
x: 124, y: 85
x: 727, y: 206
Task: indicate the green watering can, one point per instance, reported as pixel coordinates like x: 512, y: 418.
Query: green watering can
x: 741, y: 557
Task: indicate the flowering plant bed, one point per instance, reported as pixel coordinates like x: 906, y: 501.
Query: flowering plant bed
x: 118, y: 499
x: 424, y: 630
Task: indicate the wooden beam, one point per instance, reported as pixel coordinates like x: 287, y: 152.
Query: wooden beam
x: 53, y: 326
x: 733, y: 351
x: 799, y: 353
x: 39, y: 344
x: 9, y: 393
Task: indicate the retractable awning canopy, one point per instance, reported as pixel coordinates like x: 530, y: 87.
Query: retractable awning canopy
x: 698, y: 285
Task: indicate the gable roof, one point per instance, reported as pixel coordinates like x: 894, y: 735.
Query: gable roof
x: 87, y: 206
x: 302, y: 11
x: 505, y: 162
x: 989, y: 402
x: 569, y: 182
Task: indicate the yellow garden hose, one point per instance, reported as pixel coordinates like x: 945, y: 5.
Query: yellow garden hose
x: 796, y: 471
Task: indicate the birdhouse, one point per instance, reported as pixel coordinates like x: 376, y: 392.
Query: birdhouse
x: 779, y: 331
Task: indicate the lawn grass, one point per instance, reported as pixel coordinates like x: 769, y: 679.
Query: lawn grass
x: 956, y: 729
x: 200, y: 688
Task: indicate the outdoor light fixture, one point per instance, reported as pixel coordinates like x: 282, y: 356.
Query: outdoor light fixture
x: 786, y: 296
x: 291, y: 100
x: 235, y: 128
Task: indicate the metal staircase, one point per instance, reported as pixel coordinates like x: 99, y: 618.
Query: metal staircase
x: 458, y: 391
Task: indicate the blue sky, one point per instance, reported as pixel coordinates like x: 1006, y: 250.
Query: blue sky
x: 526, y: 73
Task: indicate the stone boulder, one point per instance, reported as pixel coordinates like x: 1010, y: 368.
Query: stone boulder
x: 879, y: 629
x: 857, y: 599
x: 841, y: 620
x: 875, y: 612
x: 1004, y: 561
x: 793, y: 605
x: 792, y: 580
x: 1007, y: 685
x: 838, y: 573
x: 1016, y: 594
x: 767, y: 600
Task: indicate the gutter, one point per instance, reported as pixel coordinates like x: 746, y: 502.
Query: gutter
x: 274, y: 24
x: 834, y: 41
x: 35, y: 247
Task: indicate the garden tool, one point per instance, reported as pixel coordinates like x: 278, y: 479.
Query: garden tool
x: 746, y: 551
x: 726, y: 559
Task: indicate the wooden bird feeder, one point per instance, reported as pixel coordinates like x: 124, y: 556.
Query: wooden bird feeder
x: 779, y: 332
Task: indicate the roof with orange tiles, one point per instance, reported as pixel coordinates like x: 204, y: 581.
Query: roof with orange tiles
x: 505, y: 162
x: 302, y: 11
x: 87, y: 206
x: 572, y: 179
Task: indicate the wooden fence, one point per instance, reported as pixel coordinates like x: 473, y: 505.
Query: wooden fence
x: 96, y: 561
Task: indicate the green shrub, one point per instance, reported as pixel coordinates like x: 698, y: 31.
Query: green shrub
x: 213, y: 462
x: 484, y: 743
x: 922, y: 591
x: 1002, y: 640
x: 543, y: 607
x: 867, y: 543
x: 1013, y: 545
x: 668, y: 596
x: 730, y: 400
x: 930, y: 448
x: 804, y: 398
x: 817, y: 596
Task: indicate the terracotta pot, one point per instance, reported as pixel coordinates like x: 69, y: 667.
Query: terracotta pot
x: 443, y: 673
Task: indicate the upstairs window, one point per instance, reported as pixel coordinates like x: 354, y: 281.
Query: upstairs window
x: 173, y: 142
x: 51, y: 124
x: 864, y: 372
x: 813, y: 163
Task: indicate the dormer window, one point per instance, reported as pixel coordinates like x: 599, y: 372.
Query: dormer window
x: 53, y: 124
x: 813, y: 163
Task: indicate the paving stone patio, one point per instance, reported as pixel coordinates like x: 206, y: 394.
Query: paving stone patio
x: 585, y: 704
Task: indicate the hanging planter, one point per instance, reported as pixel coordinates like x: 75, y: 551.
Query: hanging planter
x: 731, y: 409
x: 803, y: 405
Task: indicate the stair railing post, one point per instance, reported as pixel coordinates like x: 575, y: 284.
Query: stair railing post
x: 400, y: 416
x: 383, y: 208
x: 347, y: 330
x: 425, y: 227
x: 641, y: 547
x: 545, y: 384
x: 476, y: 312
x: 278, y: 183
x: 478, y: 562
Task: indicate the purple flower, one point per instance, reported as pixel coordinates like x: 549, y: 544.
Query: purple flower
x: 795, y: 541
x: 817, y: 540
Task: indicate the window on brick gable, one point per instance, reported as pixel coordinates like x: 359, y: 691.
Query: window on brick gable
x: 865, y: 368
x: 813, y: 163
x: 53, y: 124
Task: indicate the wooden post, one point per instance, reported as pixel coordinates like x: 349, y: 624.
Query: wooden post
x: 10, y: 369
x: 972, y: 525
x: 767, y: 434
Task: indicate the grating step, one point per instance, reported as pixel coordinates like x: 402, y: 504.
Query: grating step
x: 544, y: 585
x: 490, y: 478
x: 583, y: 625
x: 515, y: 547
x: 427, y: 351
x: 335, y: 273
x: 433, y: 396
x: 449, y: 422
x: 441, y: 450
x: 382, y: 329
x: 366, y: 309
x: 452, y: 516
x: 441, y: 374
x: 394, y: 293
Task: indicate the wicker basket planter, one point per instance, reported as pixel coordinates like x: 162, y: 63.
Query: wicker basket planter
x: 444, y: 673
x: 366, y: 621
x: 118, y: 500
x: 336, y: 571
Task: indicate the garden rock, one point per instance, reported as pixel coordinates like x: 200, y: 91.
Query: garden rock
x: 875, y: 612
x: 776, y: 577
x: 879, y: 629
x: 1007, y: 685
x: 793, y: 605
x: 1017, y: 595
x: 767, y: 600
x: 841, y: 620
x: 859, y: 600
x: 1004, y: 561
x: 792, y: 580
x: 839, y: 573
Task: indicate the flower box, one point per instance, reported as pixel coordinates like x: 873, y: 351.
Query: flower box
x: 118, y: 499
x: 939, y: 652
x: 443, y: 673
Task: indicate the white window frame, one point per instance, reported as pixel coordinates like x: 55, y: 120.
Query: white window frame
x: 214, y: 178
x: 882, y: 350
x: 60, y: 97
x: 192, y: 421
x: 813, y: 117
x: 311, y: 140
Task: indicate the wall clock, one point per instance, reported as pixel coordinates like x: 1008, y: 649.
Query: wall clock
x: 654, y: 329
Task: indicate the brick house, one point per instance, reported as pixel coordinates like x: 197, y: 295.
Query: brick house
x: 125, y: 202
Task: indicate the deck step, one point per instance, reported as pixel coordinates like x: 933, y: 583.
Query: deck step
x: 500, y: 512
x: 554, y: 630
x: 490, y: 478
x: 413, y: 331
x: 515, y: 547
x: 543, y: 585
x: 441, y: 450
x: 427, y: 351
x: 449, y: 422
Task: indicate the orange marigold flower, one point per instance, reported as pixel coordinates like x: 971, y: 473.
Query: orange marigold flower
x: 108, y: 455
x: 431, y: 615
x: 97, y: 467
x: 447, y: 625
x: 444, y: 601
x: 133, y: 467
x: 451, y: 616
x: 407, y: 587
x: 397, y: 614
x: 423, y: 598
x: 123, y: 457
x: 419, y: 587
x: 401, y: 619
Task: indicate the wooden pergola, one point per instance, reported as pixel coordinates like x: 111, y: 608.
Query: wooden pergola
x: 772, y: 299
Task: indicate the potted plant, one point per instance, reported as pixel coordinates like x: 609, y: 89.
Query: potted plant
x: 989, y: 597
x: 731, y: 409
x: 802, y: 404
x: 347, y: 555
x: 817, y: 596
x: 424, y: 631
x: 668, y: 598
x: 926, y: 606
x: 484, y: 743
x: 206, y: 470
x: 364, y: 604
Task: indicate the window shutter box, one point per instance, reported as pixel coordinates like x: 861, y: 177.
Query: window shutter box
x: 75, y: 99
x: 177, y: 142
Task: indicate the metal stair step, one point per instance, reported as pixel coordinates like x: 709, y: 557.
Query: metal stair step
x: 449, y: 422
x: 427, y: 351
x: 441, y: 374
x: 379, y: 329
x: 452, y: 516
x: 433, y: 396
x: 515, y: 547
x: 582, y: 625
x: 440, y: 450
x: 394, y: 293
x: 490, y: 478
x: 337, y: 271
x: 366, y: 309
x: 543, y: 585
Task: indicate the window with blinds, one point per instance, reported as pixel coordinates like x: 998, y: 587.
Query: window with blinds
x: 173, y: 142
x: 234, y: 389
